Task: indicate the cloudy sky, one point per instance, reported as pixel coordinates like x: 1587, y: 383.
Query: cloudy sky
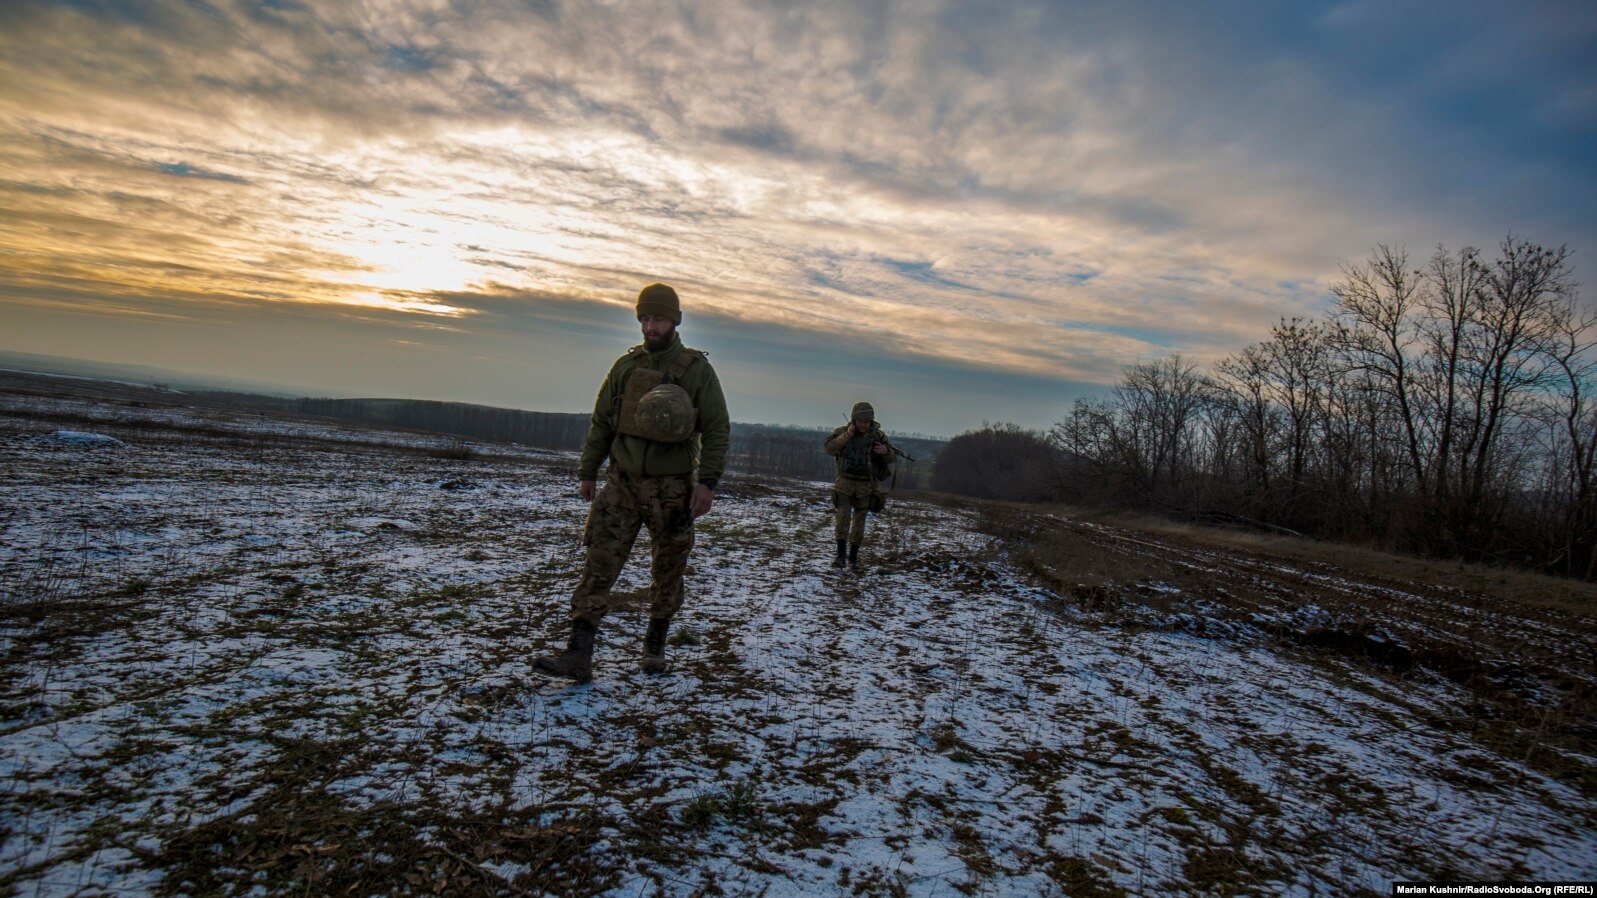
x: 962, y: 211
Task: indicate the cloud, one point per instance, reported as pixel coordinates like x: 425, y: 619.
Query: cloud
x: 1037, y: 190
x: 184, y: 170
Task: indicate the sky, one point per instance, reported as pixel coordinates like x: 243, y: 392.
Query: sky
x: 963, y: 213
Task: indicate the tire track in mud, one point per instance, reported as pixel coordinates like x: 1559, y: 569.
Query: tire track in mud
x: 1450, y: 631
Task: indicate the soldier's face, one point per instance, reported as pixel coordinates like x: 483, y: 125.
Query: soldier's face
x: 657, y: 331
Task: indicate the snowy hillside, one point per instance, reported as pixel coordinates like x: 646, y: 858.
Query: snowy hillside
x: 253, y: 657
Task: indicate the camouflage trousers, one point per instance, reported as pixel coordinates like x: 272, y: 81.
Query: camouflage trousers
x: 625, y: 504
x: 851, y: 499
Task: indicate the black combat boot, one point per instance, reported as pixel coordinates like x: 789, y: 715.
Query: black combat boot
x: 654, y: 646
x: 576, y: 661
x: 842, y: 553
x: 853, y: 554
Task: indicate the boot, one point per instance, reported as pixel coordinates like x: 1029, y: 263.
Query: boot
x: 654, y: 646
x: 842, y: 553
x: 576, y: 661
x: 853, y: 554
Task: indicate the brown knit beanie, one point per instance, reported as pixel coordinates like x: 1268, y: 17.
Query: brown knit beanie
x: 862, y: 412
x: 659, y: 299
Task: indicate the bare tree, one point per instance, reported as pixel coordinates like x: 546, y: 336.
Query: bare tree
x: 1463, y: 351
x: 1299, y: 372
x: 1163, y: 399
x: 1105, y: 462
x: 1377, y: 336
x: 1524, y: 305
x: 1450, y: 409
x: 1244, y: 379
x: 1570, y: 482
x: 1451, y: 302
x: 1144, y: 438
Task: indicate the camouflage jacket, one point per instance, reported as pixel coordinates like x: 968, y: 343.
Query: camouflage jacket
x: 703, y: 454
x: 840, y: 446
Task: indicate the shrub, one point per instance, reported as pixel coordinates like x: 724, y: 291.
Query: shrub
x: 1000, y: 461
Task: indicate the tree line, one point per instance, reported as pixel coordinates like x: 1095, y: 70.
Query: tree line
x: 782, y: 451
x: 543, y: 430
x: 754, y: 450
x: 1444, y: 408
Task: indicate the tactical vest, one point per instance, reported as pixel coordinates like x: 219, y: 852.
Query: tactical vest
x: 855, y: 460
x: 641, y: 380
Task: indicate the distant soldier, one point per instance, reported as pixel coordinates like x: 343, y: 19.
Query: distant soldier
x: 662, y: 422
x: 864, y: 458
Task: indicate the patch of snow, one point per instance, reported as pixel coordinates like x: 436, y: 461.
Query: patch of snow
x: 82, y: 439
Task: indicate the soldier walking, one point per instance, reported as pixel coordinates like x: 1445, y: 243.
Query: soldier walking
x: 864, y: 458
x: 662, y: 422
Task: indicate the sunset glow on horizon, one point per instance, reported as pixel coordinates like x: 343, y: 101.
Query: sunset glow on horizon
x: 964, y: 214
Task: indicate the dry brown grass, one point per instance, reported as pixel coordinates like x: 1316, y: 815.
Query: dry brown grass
x: 1527, y: 588
x: 1522, y: 587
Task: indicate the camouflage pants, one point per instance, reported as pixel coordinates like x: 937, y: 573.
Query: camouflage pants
x: 625, y: 504
x: 852, y: 501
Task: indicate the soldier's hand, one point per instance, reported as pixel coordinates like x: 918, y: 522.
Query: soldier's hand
x: 586, y: 489
x: 703, y: 496
x: 879, y: 448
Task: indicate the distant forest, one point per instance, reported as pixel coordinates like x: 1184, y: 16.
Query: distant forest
x: 756, y: 449
x: 1446, y: 408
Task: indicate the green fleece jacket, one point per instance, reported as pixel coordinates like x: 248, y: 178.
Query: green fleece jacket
x: 704, y: 453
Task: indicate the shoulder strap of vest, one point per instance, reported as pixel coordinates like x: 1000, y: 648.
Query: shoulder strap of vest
x: 679, y: 365
x: 636, y: 354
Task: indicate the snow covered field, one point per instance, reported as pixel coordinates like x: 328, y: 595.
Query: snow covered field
x: 244, y: 656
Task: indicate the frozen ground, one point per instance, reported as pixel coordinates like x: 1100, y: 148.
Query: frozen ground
x: 244, y: 656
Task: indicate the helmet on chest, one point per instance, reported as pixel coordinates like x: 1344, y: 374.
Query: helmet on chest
x: 665, y: 414
x: 653, y: 405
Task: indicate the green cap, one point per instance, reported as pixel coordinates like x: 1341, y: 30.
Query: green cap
x: 659, y: 299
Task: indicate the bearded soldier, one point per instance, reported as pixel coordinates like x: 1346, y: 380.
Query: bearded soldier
x: 661, y: 421
x: 864, y: 457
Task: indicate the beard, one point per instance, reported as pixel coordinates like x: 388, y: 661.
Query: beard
x: 655, y: 343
